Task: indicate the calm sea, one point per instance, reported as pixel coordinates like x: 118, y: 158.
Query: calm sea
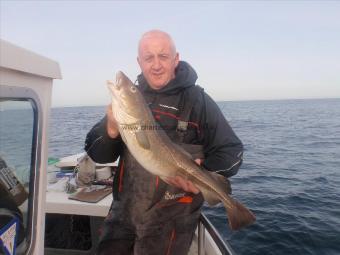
x: 290, y: 176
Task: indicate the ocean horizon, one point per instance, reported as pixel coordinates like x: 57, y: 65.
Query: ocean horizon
x: 290, y: 176
x: 220, y: 101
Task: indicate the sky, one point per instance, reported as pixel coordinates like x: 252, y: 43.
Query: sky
x: 241, y: 50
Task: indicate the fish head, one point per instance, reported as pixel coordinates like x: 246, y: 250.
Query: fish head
x: 127, y: 101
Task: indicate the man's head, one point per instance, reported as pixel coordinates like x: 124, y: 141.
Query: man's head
x: 157, y: 57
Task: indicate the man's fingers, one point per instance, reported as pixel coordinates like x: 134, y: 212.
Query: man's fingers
x: 112, y: 127
x: 109, y: 108
x: 198, y: 161
x: 170, y: 181
x: 183, y: 184
x: 193, y: 188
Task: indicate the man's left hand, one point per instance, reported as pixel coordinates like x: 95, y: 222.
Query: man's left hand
x: 184, y: 184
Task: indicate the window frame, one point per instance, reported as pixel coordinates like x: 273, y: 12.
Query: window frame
x: 15, y: 93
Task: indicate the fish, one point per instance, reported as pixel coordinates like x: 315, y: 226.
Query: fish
x: 156, y: 153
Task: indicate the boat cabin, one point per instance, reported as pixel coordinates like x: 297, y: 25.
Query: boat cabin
x: 26, y: 80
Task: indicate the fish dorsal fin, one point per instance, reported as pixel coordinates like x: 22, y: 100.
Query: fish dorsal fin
x: 142, y: 139
x: 225, y: 183
x: 123, y: 137
x: 210, y: 197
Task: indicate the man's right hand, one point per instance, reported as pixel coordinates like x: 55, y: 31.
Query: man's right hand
x: 112, y: 126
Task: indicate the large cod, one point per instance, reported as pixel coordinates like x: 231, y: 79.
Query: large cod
x: 154, y: 150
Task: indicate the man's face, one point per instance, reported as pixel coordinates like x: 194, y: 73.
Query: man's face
x: 157, y: 60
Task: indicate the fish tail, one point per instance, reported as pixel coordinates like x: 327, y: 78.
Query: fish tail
x: 238, y: 215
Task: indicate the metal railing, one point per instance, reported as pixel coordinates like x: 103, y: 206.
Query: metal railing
x: 205, y: 225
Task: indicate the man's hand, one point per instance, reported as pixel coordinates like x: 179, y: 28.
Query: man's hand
x: 183, y: 184
x: 112, y: 126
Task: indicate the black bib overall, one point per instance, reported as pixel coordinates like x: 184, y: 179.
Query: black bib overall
x: 148, y: 216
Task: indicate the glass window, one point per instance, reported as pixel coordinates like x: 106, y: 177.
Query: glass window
x: 17, y: 160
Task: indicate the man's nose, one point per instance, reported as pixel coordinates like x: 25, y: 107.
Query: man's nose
x: 157, y: 64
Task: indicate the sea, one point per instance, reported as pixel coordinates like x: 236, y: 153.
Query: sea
x: 290, y: 177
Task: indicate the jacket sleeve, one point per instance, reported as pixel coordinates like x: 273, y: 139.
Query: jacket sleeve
x: 100, y: 147
x: 223, y: 150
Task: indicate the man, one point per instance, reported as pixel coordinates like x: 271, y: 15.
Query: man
x: 149, y: 216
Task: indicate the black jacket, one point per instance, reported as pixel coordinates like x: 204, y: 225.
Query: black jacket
x: 207, y: 126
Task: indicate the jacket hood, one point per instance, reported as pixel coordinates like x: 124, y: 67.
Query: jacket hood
x: 185, y: 76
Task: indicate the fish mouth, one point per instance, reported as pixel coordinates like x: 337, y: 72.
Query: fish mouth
x: 119, y: 77
x: 115, y: 87
x: 117, y: 84
x: 111, y: 85
x: 121, y: 100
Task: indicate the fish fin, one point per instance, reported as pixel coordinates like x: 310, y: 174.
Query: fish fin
x: 238, y: 215
x: 164, y: 179
x: 226, y: 186
x: 210, y: 197
x: 142, y: 140
x: 123, y: 137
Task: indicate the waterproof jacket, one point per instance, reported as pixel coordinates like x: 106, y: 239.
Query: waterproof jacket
x: 223, y: 151
x: 146, y: 209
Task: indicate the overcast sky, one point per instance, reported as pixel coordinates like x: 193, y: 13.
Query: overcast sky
x: 245, y: 50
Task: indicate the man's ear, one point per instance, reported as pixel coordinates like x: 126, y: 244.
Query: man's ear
x: 138, y: 61
x: 176, y: 59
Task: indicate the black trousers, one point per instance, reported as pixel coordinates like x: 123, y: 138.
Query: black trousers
x: 164, y: 228
x: 168, y: 242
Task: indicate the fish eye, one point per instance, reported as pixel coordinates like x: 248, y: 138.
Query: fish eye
x: 133, y: 89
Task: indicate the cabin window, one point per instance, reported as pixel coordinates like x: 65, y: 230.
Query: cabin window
x: 18, y: 143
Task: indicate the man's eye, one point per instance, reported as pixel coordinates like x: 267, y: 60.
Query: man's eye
x: 148, y: 59
x: 164, y: 57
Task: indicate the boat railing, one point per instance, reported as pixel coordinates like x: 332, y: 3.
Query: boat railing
x: 205, y: 226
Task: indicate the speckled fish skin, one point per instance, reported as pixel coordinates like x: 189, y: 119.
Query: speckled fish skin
x: 154, y: 150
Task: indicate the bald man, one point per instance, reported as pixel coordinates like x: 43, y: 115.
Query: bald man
x: 149, y: 216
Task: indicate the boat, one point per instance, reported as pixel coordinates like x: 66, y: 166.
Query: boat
x: 25, y: 90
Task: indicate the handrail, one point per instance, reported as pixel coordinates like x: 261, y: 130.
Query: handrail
x: 205, y: 224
